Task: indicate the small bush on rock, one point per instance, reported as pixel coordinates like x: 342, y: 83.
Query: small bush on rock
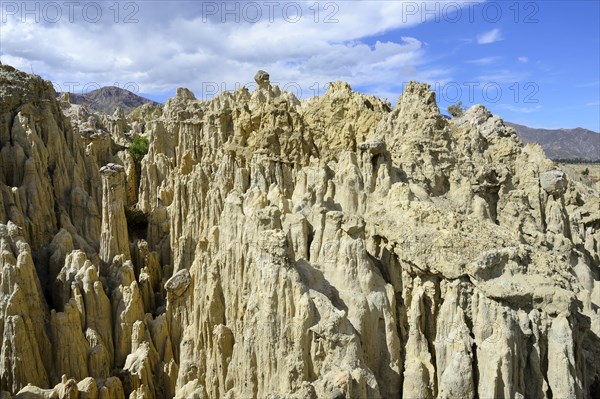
x: 138, y: 148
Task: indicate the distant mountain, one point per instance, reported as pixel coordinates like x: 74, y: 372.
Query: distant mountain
x: 107, y: 99
x: 563, y: 144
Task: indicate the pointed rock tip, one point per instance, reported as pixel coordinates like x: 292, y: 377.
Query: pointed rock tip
x: 477, y: 114
x: 417, y: 90
x: 184, y: 94
x: 66, y: 97
x: 339, y: 86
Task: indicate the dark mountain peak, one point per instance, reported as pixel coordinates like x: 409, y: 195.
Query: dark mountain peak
x: 563, y: 144
x: 107, y: 99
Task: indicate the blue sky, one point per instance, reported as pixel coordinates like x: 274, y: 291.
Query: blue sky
x: 531, y: 62
x: 545, y: 58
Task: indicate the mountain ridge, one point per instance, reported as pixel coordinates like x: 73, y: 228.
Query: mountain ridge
x: 562, y: 144
x: 108, y: 98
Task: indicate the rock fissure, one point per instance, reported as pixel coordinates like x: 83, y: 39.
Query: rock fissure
x: 329, y: 247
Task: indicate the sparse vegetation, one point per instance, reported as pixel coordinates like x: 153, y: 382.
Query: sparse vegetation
x: 456, y: 110
x: 138, y: 148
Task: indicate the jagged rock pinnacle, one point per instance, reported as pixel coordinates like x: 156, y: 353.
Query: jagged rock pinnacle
x: 326, y: 248
x: 114, y: 238
x: 184, y: 94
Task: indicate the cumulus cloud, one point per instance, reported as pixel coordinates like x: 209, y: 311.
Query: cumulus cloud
x: 161, y: 45
x: 491, y: 36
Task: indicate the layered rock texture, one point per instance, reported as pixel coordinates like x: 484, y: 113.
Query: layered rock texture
x: 267, y: 247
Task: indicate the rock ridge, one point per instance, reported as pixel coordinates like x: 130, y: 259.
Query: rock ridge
x: 335, y: 247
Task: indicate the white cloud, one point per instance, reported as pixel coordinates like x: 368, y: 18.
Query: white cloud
x: 491, y: 36
x: 523, y: 60
x: 484, y: 60
x: 523, y: 110
x: 189, y: 44
x: 589, y: 84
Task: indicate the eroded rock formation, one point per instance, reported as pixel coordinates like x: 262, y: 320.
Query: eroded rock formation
x: 329, y: 248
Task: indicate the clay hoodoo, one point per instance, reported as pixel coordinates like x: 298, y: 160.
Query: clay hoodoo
x: 336, y: 247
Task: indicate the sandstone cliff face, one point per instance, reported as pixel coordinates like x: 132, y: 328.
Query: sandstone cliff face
x: 330, y: 248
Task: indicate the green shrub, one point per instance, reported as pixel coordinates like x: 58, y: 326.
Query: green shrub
x: 138, y: 148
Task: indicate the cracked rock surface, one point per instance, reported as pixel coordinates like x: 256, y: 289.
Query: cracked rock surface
x: 267, y: 247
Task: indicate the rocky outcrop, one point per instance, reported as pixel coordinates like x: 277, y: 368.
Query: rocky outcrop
x: 26, y: 349
x: 47, y: 179
x: 554, y: 182
x: 334, y: 247
x: 113, y: 239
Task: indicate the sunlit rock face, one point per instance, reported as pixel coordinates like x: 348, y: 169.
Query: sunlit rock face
x: 267, y: 247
